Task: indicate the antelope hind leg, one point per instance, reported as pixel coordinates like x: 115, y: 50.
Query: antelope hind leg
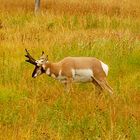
x: 104, y: 85
x: 98, y: 88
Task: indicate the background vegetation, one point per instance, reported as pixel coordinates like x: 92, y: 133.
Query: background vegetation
x: 38, y: 109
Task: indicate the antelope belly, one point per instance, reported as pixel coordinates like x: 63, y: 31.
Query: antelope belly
x: 82, y: 75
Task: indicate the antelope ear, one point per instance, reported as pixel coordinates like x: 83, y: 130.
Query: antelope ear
x: 44, y: 55
x: 43, y: 52
x: 47, y: 57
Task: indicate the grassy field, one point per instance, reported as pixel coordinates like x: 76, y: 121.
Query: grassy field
x: 39, y: 109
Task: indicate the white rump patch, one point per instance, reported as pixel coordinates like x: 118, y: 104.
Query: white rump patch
x: 105, y: 68
x: 82, y: 75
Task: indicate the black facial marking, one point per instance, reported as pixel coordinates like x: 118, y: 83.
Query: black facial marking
x: 42, y: 70
x: 34, y: 72
x: 38, y: 68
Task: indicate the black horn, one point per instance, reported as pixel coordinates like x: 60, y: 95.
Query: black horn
x: 30, y: 58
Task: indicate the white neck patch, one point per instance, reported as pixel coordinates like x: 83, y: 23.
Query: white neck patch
x: 48, y: 71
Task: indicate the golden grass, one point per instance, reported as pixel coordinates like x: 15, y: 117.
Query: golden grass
x: 107, y: 7
x: 39, y: 109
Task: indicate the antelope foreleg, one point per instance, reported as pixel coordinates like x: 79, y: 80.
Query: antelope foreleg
x: 68, y: 86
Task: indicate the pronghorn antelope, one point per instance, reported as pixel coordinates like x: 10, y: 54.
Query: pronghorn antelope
x: 73, y: 69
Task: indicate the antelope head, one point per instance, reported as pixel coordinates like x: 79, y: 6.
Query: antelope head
x: 38, y: 63
x: 42, y: 60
